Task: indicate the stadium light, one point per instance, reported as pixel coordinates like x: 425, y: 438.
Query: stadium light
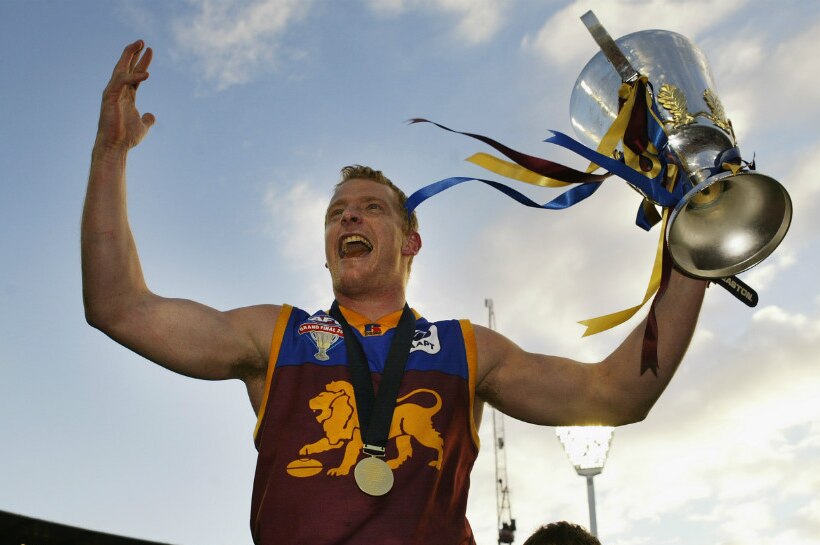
x: 587, y: 448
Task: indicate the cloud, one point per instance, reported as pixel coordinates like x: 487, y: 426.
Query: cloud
x: 732, y: 431
x: 801, y: 182
x: 803, y: 71
x: 809, y: 516
x: 798, y: 323
x: 572, y: 263
x: 563, y: 40
x: 296, y: 216
x: 295, y: 223
x: 231, y: 40
x: 764, y: 275
x: 763, y: 84
x: 477, y: 20
x: 716, y: 458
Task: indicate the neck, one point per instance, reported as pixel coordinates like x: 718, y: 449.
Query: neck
x: 370, y: 306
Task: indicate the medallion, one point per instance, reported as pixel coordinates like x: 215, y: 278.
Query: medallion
x: 373, y: 476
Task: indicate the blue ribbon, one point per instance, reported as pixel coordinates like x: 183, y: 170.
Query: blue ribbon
x: 642, y: 220
x: 648, y: 187
x: 651, y: 188
x: 564, y: 200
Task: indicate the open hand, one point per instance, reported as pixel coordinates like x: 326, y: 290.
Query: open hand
x: 121, y: 125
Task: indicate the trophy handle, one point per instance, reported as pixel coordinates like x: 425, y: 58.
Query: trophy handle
x: 739, y: 289
x: 609, y: 48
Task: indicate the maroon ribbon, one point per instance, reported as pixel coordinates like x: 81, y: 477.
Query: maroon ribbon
x: 649, y: 350
x: 536, y: 164
x: 635, y: 134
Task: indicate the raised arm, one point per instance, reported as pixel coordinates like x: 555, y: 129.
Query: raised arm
x: 557, y: 391
x: 184, y: 336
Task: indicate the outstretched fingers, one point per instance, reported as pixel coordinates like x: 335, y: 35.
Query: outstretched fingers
x: 140, y: 70
x: 128, y: 57
x: 142, y: 64
x: 135, y: 55
x: 121, y: 124
x: 132, y: 68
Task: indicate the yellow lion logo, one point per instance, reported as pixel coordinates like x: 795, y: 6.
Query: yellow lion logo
x: 335, y: 410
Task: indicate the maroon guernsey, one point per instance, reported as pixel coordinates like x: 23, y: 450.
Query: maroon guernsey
x: 308, y: 436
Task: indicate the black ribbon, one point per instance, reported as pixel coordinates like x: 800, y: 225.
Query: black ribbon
x: 375, y: 409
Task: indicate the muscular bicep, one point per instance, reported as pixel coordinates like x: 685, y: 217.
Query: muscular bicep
x: 538, y: 388
x: 196, y: 340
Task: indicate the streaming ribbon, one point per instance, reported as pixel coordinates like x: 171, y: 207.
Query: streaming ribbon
x: 642, y: 164
x: 565, y: 200
x: 643, y: 138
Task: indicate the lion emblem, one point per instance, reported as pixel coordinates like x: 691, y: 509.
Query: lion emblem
x: 335, y: 410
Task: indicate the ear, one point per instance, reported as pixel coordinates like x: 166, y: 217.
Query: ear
x: 412, y: 244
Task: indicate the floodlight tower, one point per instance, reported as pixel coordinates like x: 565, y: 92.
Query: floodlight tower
x: 587, y: 448
x: 506, y: 524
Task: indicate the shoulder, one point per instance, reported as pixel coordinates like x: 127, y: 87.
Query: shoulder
x: 258, y: 323
x: 492, y: 348
x: 256, y: 316
x: 497, y: 359
x: 487, y: 347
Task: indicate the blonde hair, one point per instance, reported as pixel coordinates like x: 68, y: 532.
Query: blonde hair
x: 352, y: 172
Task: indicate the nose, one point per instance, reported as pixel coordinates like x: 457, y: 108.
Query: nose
x: 351, y: 215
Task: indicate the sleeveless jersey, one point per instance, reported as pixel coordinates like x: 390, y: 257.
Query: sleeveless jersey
x: 308, y: 437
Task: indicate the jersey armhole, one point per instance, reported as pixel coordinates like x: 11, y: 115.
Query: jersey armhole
x: 472, y: 366
x: 275, y: 346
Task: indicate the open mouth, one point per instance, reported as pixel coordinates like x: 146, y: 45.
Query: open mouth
x: 354, y: 246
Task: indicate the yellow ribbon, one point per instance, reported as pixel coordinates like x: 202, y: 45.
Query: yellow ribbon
x: 611, y: 139
x: 615, y: 133
x: 513, y: 171
x: 734, y: 168
x: 602, y: 323
x: 607, y: 146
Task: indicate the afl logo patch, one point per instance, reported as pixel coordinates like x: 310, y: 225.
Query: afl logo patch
x: 324, y: 332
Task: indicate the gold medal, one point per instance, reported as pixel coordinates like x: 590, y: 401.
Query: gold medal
x: 373, y: 476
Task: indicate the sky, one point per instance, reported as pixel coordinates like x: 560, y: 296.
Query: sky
x: 258, y: 106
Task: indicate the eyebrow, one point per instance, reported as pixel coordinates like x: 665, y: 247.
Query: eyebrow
x: 366, y: 199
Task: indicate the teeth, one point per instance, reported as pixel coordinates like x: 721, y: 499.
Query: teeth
x: 351, y: 239
x: 357, y: 238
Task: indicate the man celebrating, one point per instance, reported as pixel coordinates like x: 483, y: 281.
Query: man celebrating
x: 367, y: 413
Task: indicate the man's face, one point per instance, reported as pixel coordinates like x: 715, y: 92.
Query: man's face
x: 366, y: 246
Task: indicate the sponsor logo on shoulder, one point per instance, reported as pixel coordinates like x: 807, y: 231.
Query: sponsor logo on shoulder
x: 426, y: 341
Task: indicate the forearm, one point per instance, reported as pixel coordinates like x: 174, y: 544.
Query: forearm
x: 556, y: 391
x: 184, y: 336
x: 181, y: 335
x: 676, y: 312
x: 111, y: 272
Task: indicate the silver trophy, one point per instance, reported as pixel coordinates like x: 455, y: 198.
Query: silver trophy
x: 730, y: 219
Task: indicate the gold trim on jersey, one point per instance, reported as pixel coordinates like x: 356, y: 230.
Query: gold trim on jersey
x: 472, y: 368
x: 275, y: 345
